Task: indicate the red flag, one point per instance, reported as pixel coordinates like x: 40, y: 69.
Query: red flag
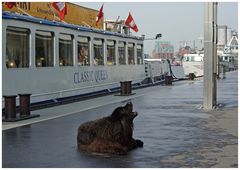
x: 61, y: 8
x: 10, y: 5
x: 100, y: 15
x: 131, y: 23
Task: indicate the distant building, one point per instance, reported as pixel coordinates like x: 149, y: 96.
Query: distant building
x: 146, y: 56
x: 184, y: 50
x: 163, y: 50
x: 222, y: 37
x: 226, y: 36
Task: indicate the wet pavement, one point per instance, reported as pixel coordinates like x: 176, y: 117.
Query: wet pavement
x: 176, y: 132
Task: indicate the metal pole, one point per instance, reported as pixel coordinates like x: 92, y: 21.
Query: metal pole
x: 210, y: 54
x: 215, y: 34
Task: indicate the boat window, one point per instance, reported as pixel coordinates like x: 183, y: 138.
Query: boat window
x: 44, y: 49
x: 121, y: 52
x: 186, y: 58
x: 98, y: 51
x: 65, y: 50
x: 111, y: 52
x: 131, y: 53
x: 17, y: 48
x: 139, y: 54
x: 83, y: 51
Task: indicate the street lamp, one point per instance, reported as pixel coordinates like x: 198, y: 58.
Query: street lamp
x: 156, y: 37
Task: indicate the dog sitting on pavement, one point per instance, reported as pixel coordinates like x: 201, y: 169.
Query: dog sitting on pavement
x: 111, y: 134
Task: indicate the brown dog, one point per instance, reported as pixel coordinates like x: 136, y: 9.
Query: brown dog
x: 112, y: 134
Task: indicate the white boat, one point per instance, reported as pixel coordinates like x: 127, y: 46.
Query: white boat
x: 52, y: 60
x: 193, y: 63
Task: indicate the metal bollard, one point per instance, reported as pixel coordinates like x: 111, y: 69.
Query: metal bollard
x: 126, y: 88
x: 191, y: 76
x: 168, y: 80
x: 10, y: 107
x: 24, y: 104
x: 123, y: 88
x: 223, y: 72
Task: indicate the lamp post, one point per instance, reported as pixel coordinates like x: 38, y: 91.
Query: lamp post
x: 156, y: 37
x: 159, y: 35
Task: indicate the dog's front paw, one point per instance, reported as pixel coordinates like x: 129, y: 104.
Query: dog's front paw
x: 139, y: 143
x: 122, y: 151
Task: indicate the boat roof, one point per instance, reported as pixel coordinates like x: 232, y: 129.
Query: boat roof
x: 22, y: 17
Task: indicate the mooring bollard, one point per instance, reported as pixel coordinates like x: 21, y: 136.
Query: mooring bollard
x: 168, y: 80
x: 24, y: 104
x: 223, y: 72
x: 123, y: 88
x: 10, y: 107
x: 191, y: 76
x: 126, y: 88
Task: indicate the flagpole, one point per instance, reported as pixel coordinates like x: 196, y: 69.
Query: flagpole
x: 23, y: 11
x: 86, y: 24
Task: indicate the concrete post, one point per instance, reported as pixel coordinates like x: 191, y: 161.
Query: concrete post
x: 210, y: 54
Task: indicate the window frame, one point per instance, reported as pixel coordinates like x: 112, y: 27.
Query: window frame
x: 13, y: 64
x: 89, y: 48
x: 71, y: 52
x: 95, y: 39
x: 141, y: 45
x: 114, y: 53
x: 53, y: 51
x: 131, y: 57
x: 124, y: 52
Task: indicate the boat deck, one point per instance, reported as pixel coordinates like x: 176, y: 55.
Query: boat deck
x: 176, y: 131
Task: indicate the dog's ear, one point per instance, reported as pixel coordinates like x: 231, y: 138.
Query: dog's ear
x: 129, y: 107
x: 117, y: 113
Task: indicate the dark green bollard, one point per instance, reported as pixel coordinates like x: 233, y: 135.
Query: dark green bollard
x: 126, y: 88
x: 24, y: 104
x: 168, y: 80
x: 10, y: 107
x: 191, y: 76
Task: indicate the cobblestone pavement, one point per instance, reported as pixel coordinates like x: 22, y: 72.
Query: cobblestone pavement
x: 176, y: 132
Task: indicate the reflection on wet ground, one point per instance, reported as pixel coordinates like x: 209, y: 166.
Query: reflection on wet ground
x: 171, y: 124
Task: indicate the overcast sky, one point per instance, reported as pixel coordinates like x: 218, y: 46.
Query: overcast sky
x: 177, y: 21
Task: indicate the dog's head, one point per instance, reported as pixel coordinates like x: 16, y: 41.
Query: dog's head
x: 125, y: 112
